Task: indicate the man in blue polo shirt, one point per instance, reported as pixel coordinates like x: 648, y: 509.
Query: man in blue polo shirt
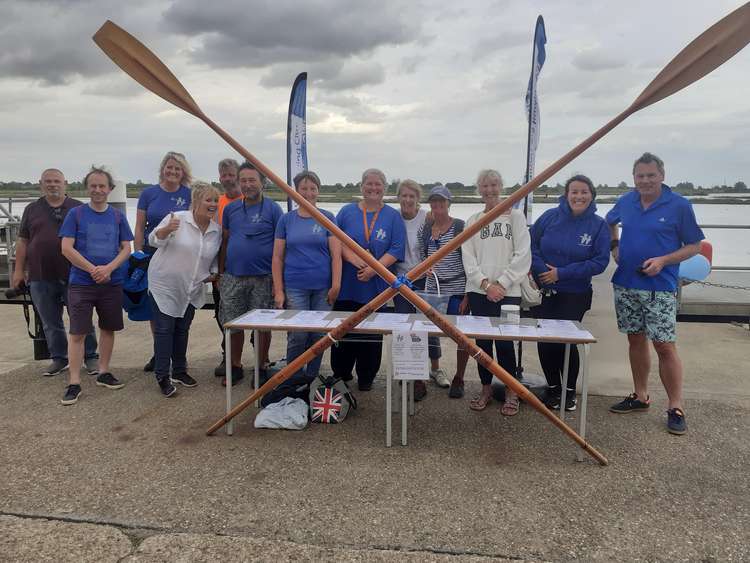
x: 245, y: 261
x: 659, y: 231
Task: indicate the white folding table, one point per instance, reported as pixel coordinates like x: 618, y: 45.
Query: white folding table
x: 529, y: 330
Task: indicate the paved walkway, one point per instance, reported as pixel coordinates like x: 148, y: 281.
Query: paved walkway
x: 129, y: 476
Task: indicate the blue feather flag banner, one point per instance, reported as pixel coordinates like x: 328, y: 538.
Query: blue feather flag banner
x: 539, y: 54
x: 296, y: 133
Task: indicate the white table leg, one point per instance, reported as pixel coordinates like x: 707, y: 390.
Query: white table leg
x: 411, y: 398
x: 584, y: 397
x: 228, y: 375
x: 256, y: 378
x: 404, y: 410
x: 388, y: 391
x: 564, y: 390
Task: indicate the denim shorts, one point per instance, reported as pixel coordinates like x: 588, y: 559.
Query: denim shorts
x: 651, y: 312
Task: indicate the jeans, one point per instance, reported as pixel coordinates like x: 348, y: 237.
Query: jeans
x: 49, y: 298
x: 170, y: 341
x: 298, y: 342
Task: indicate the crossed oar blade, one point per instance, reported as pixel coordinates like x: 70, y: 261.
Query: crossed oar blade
x: 143, y: 66
x: 704, y: 54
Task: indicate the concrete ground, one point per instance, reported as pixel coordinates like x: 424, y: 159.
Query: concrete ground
x: 129, y: 476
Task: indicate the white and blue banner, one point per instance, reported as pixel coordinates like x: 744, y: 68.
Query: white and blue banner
x: 532, y: 109
x: 296, y: 133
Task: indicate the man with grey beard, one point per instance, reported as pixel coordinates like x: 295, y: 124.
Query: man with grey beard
x: 41, y: 265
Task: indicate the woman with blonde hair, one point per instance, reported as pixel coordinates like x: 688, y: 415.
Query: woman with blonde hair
x: 172, y: 193
x: 496, y: 259
x: 187, y: 247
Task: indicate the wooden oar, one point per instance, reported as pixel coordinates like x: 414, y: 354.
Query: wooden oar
x: 707, y: 52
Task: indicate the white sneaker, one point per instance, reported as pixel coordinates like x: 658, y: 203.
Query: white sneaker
x: 441, y: 380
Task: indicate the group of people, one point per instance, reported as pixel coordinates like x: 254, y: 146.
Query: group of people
x: 256, y: 256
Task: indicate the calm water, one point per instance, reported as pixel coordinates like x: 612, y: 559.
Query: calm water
x: 731, y: 247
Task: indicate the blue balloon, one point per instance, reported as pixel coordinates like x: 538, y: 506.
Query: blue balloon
x: 695, y: 268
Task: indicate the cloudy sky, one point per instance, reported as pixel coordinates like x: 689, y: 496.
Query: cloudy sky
x: 427, y: 89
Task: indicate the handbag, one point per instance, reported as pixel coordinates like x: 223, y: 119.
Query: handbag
x: 530, y: 294
x: 330, y: 400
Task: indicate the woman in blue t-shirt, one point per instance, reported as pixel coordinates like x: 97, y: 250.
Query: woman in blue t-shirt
x: 380, y: 230
x: 569, y: 245
x: 306, y: 268
x: 171, y: 194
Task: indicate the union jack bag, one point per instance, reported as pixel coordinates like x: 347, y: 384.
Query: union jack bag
x: 330, y: 400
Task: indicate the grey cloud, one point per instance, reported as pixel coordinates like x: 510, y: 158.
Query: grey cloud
x: 355, y: 109
x: 50, y: 42
x: 288, y: 32
x: 596, y: 60
x: 500, y: 42
x: 336, y: 74
x: 409, y: 64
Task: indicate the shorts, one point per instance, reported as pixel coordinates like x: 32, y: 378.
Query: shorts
x: 106, y: 299
x: 651, y: 312
x: 240, y: 294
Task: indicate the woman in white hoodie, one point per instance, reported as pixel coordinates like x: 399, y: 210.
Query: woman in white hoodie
x: 496, y: 260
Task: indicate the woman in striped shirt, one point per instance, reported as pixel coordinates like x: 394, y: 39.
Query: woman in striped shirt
x: 446, y: 278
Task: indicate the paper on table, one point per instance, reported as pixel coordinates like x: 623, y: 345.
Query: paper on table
x: 259, y: 316
x: 392, y: 318
x: 374, y: 324
x: 314, y: 318
x: 517, y: 331
x: 473, y: 324
x: 427, y: 326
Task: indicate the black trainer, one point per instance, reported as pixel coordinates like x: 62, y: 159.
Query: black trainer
x: 551, y: 397
x: 631, y: 403
x: 183, y: 379
x: 167, y: 389
x: 71, y: 395
x: 149, y: 365
x: 221, y: 369
x: 55, y: 368
x: 109, y: 381
x: 676, y: 421
x: 570, y: 400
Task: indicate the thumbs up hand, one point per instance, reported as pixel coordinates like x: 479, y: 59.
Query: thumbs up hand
x: 174, y: 223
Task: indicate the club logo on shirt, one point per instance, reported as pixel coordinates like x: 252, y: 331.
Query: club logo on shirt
x: 380, y: 234
x: 584, y: 240
x: 662, y: 220
x: 255, y: 218
x: 180, y: 202
x: 316, y: 229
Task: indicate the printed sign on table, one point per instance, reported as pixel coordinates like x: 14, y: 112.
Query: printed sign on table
x: 409, y: 353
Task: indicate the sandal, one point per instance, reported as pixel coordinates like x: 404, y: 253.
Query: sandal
x: 511, y: 405
x: 480, y: 403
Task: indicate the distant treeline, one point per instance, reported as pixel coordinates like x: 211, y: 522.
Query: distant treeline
x: 345, y: 192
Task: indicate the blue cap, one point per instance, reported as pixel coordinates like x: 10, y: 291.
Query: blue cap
x: 440, y: 191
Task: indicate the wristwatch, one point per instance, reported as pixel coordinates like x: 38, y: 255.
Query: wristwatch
x: 614, y: 243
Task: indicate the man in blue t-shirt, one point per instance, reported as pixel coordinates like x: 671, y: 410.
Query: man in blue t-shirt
x: 96, y: 240
x: 249, y: 225
x: 659, y: 231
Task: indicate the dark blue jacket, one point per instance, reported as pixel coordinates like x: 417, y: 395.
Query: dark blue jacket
x: 577, y: 246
